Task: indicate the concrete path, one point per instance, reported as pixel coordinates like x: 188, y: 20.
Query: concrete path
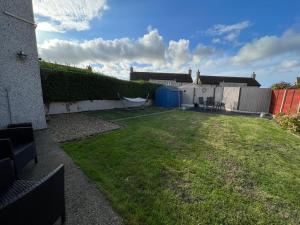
x: 85, y: 204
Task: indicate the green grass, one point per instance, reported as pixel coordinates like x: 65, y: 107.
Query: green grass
x: 195, y: 168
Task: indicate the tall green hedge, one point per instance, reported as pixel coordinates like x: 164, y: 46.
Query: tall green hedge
x: 68, y: 86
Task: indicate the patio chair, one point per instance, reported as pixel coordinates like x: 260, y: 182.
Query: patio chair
x: 220, y: 106
x: 201, y: 102
x: 15, y: 125
x: 24, y: 202
x: 210, y: 103
x: 18, y: 144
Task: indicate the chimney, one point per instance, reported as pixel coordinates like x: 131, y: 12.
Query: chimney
x: 131, y: 69
x: 190, y: 71
x: 198, y: 77
x: 253, y: 75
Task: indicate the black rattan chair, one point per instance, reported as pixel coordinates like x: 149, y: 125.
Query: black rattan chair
x: 210, y: 103
x: 15, y: 125
x: 201, y: 102
x: 24, y: 202
x: 18, y: 144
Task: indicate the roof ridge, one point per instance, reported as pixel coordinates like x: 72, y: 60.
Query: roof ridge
x: 161, y: 73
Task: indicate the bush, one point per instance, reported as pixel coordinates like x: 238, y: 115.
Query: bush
x: 281, y: 85
x: 285, y: 85
x: 290, y: 122
x: 67, y: 85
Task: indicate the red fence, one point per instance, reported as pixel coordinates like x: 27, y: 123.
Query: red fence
x: 286, y: 101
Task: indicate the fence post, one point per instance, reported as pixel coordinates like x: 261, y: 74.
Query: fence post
x: 283, y: 100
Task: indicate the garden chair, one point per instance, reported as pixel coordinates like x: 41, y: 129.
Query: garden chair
x: 18, y: 144
x: 201, y: 102
x: 24, y: 202
x: 15, y: 125
x: 210, y: 103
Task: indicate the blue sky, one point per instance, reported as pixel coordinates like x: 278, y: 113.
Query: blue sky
x: 219, y: 37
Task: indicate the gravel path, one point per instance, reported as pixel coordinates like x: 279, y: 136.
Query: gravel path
x: 67, y: 127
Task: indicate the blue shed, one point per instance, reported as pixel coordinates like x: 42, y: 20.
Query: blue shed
x: 168, y: 97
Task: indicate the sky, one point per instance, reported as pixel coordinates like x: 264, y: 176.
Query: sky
x: 218, y: 37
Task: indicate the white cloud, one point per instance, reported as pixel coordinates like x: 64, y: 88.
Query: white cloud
x: 149, y: 53
x: 178, y: 53
x: 269, y: 47
x: 221, y: 29
x: 62, y: 15
x: 290, y: 64
x: 147, y: 49
x: 227, y: 33
x: 45, y: 26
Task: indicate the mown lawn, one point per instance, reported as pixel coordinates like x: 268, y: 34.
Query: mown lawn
x: 195, y: 168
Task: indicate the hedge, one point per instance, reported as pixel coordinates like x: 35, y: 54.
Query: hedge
x: 69, y: 86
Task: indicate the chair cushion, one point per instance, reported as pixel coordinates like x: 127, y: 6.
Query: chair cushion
x: 14, y: 190
x: 21, y: 147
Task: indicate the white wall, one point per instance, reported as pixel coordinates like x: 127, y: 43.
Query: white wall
x: 19, y: 78
x: 247, y: 99
x: 172, y: 83
x: 81, y: 106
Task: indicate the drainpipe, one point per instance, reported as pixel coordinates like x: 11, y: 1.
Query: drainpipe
x: 8, y: 104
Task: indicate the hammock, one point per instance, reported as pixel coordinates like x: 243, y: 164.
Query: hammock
x: 137, y: 102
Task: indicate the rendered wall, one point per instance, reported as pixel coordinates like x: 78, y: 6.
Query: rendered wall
x: 20, y: 85
x: 81, y: 106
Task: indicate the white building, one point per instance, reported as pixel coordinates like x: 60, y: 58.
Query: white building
x: 20, y: 85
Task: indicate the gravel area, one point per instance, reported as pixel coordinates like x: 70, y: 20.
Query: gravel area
x: 67, y: 127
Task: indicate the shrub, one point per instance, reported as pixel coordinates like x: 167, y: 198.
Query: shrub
x: 290, y: 122
x: 65, y: 84
x: 281, y: 85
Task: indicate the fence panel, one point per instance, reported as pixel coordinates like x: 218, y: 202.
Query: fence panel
x: 231, y: 97
x: 253, y: 99
x: 285, y: 101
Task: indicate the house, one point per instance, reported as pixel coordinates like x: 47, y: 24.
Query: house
x: 225, y: 81
x: 20, y: 85
x: 168, y: 79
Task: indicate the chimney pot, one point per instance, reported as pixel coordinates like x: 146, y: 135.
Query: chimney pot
x: 190, y: 71
x: 131, y: 69
x: 253, y: 75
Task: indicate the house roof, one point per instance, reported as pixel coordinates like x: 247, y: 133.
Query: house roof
x: 216, y: 80
x: 178, y: 77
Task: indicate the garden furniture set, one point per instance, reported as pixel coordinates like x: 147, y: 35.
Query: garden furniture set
x: 210, y: 104
x: 27, y: 202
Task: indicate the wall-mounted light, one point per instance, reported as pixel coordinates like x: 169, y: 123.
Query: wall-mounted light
x: 21, y: 55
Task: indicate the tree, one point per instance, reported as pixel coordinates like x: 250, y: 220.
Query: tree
x: 89, y: 68
x: 281, y: 85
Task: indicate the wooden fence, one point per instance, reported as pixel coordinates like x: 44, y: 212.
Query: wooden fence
x: 285, y: 101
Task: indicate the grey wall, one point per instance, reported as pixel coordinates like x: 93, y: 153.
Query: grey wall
x: 20, y: 79
x: 253, y: 99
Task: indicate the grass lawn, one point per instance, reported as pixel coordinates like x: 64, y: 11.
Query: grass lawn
x: 184, y: 167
